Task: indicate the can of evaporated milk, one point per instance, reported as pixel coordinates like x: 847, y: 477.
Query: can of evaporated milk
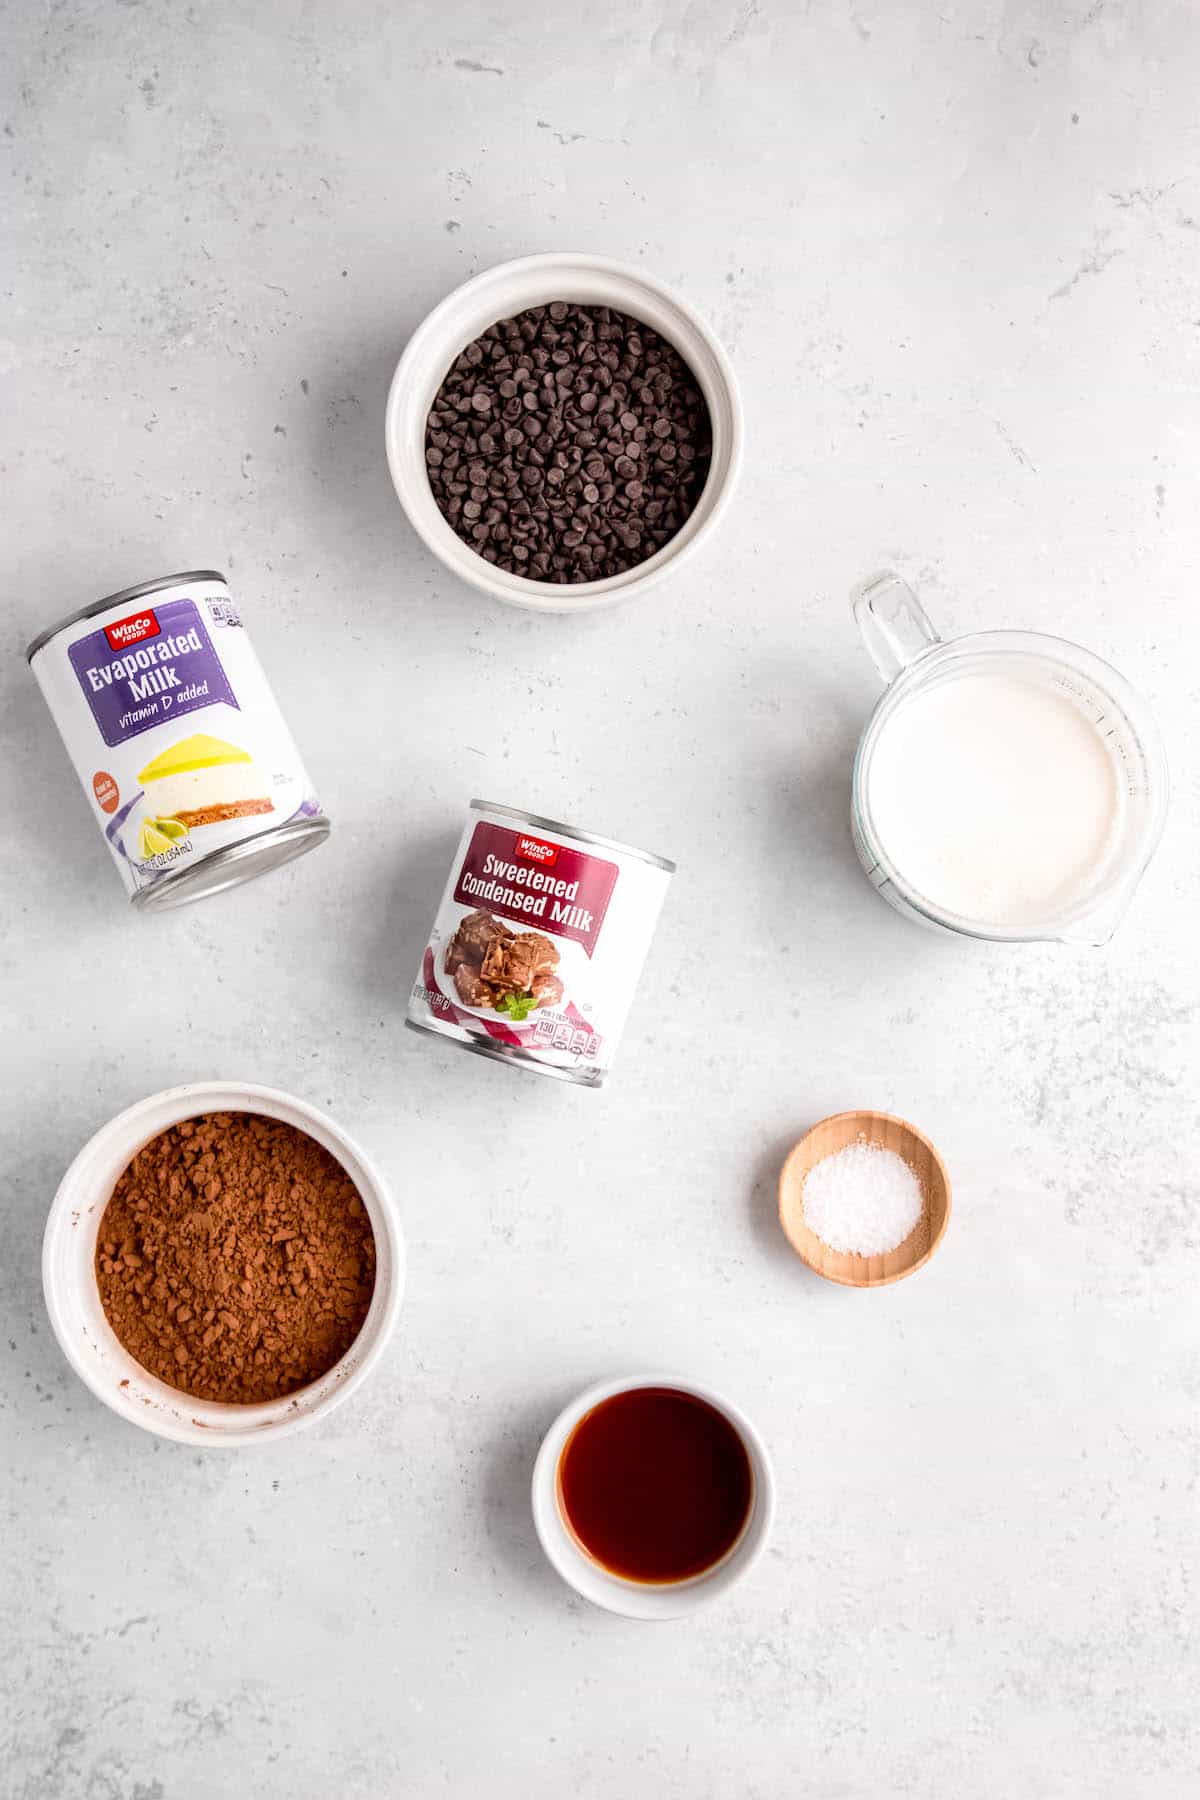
x: 538, y: 943
x: 177, y: 738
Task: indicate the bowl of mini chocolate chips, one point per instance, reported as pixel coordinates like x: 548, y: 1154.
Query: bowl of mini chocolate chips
x: 222, y: 1264
x: 562, y: 430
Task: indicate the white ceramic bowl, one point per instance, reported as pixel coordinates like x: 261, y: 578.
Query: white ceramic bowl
x: 73, y: 1298
x: 636, y: 1599
x: 497, y: 294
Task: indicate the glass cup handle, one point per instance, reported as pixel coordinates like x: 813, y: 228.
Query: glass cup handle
x: 892, y: 623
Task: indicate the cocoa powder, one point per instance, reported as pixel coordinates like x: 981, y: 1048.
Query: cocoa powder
x: 235, y: 1260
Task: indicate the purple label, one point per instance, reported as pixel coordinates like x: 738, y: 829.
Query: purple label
x: 156, y: 665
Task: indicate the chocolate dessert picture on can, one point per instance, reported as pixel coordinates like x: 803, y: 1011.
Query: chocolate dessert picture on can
x: 497, y: 968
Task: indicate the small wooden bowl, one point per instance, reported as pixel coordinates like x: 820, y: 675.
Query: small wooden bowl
x: 826, y: 1139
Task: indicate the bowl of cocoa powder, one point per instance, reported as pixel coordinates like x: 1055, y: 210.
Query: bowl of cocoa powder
x: 222, y: 1264
x: 563, y: 430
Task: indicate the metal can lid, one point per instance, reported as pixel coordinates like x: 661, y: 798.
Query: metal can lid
x: 137, y: 592
x: 234, y: 863
x: 573, y: 831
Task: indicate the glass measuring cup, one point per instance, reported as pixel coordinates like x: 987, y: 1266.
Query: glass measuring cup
x: 911, y: 657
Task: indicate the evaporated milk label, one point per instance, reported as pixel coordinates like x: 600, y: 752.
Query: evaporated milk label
x: 154, y: 665
x: 173, y: 730
x: 538, y: 945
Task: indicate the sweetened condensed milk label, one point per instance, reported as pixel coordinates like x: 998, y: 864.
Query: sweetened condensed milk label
x: 539, y: 943
x: 528, y: 880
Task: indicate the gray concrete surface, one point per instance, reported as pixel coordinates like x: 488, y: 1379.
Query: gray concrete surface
x: 954, y: 256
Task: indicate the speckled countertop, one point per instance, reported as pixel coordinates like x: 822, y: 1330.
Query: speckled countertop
x: 955, y: 260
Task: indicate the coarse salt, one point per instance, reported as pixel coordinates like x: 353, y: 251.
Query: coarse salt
x: 863, y: 1199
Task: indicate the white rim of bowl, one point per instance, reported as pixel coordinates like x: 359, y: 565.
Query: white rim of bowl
x: 438, y: 339
x: 89, y: 1343
x: 648, y: 1601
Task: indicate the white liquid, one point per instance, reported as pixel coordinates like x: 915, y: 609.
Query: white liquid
x: 994, y: 798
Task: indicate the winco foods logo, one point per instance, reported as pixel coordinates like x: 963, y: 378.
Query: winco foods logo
x: 535, y: 851
x: 131, y: 630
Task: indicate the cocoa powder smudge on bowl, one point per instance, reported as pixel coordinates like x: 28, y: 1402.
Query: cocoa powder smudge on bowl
x: 235, y: 1260
x: 568, y: 444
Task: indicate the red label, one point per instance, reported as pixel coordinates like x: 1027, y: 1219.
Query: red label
x: 106, y: 791
x: 535, y: 851
x: 540, y: 886
x: 132, y: 630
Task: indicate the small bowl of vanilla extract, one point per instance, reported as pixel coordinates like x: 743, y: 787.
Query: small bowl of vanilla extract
x: 652, y: 1495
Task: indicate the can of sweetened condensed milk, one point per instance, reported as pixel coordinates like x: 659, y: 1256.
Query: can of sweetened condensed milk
x: 539, y: 943
x: 188, y: 767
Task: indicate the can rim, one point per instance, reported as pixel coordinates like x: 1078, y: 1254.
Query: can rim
x: 573, y: 831
x: 229, y: 865
x: 512, y: 1054
x: 137, y: 592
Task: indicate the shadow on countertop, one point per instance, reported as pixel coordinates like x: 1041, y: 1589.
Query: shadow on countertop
x: 507, y: 1511
x: 403, y: 912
